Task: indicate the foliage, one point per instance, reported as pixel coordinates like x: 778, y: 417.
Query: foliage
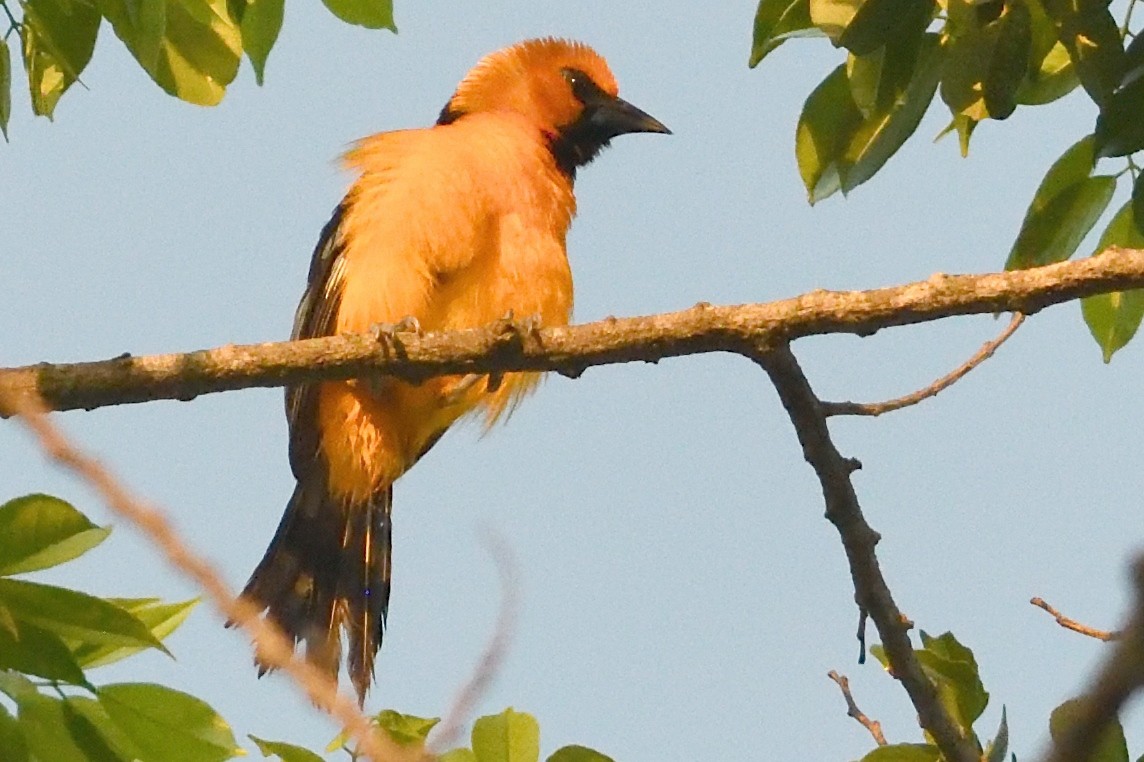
x: 985, y: 58
x: 954, y: 671
x: 190, y: 48
x: 51, y: 636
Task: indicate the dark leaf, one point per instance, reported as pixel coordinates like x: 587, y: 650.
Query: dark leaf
x: 1120, y: 125
x: 876, y: 22
x: 1009, y: 61
x: 879, y: 137
x: 777, y: 21
x: 1094, y: 45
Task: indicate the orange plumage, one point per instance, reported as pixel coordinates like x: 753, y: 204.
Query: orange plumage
x: 454, y: 225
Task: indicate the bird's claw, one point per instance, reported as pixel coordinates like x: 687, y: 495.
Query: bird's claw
x: 386, y: 333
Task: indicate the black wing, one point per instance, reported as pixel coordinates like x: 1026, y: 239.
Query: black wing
x: 316, y: 316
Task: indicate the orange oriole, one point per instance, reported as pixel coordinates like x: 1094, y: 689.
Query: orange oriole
x: 453, y: 225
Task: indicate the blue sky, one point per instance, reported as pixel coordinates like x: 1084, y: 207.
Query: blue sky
x: 683, y: 597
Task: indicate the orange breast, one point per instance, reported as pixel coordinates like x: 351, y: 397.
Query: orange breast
x: 455, y: 226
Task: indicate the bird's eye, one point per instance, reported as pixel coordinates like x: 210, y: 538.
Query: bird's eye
x: 583, y: 88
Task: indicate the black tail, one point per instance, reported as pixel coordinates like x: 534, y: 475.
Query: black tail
x: 328, y: 568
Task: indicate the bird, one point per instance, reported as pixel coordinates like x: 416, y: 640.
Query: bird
x: 446, y: 227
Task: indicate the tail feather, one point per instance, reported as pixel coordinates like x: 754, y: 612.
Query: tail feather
x: 328, y: 568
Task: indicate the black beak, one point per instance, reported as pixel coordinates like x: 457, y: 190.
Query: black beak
x: 615, y: 116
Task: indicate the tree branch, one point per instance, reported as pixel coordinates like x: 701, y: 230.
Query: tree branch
x: 932, y: 390
x: 570, y: 350
x: 852, y: 710
x: 859, y: 540
x: 1074, y: 625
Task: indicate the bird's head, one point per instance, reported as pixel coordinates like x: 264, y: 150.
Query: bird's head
x: 564, y: 88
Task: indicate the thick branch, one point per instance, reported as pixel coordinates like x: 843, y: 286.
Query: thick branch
x: 570, y: 350
x: 859, y: 540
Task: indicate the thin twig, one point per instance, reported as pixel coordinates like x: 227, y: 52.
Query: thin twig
x: 1121, y: 675
x: 489, y: 664
x: 852, y: 709
x: 859, y: 540
x: 932, y: 390
x: 570, y: 350
x: 1074, y: 625
x: 273, y: 647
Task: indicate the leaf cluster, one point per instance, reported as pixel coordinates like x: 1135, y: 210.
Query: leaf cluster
x: 190, y: 48
x: 51, y: 636
x: 983, y: 59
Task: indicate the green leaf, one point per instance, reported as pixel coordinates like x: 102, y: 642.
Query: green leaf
x: 260, y: 22
x: 877, y: 22
x: 17, y: 687
x: 160, y: 618
x: 879, y: 78
x: 458, y: 755
x: 35, y: 651
x: 58, y: 37
x: 1138, y: 202
x: 1114, y: 318
x: 96, y: 716
x: 372, y: 14
x: 39, y: 531
x: 140, y: 24
x: 5, y: 87
x: 168, y: 725
x: 1054, y: 79
x: 286, y: 752
x: 578, y: 754
x: 70, y: 613
x: 46, y: 730
x: 1035, y: 243
x: 883, y: 133
x: 959, y: 686
x: 1010, y: 59
x: 507, y: 737
x: 88, y: 737
x: 777, y: 21
x: 1093, y: 42
x: 828, y: 121
x: 998, y: 748
x: 904, y: 752
x: 406, y: 729
x: 190, y: 48
x: 1111, y: 748
x: 12, y: 745
x: 1120, y: 125
x: 1053, y: 234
